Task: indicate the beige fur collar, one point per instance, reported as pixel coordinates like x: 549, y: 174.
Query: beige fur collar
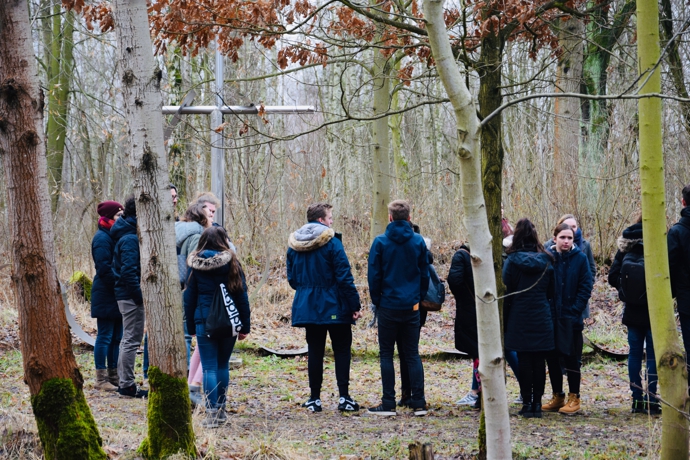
x: 210, y: 263
x: 306, y: 246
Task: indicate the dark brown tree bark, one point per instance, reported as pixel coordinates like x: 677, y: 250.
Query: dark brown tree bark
x: 65, y: 424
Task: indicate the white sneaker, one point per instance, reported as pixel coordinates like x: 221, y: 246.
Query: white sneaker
x: 518, y: 400
x: 468, y: 400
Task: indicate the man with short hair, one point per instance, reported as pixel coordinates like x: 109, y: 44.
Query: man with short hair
x: 326, y: 301
x: 210, y: 202
x: 398, y: 282
x: 679, y: 266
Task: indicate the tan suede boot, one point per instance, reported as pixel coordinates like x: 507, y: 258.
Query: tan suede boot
x: 572, y: 406
x: 554, y: 404
x: 102, y: 382
x: 113, y: 377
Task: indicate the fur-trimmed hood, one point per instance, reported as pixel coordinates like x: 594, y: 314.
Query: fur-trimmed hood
x: 208, y: 260
x: 632, y: 236
x: 310, y: 237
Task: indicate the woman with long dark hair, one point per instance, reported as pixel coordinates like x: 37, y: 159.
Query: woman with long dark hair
x: 214, y: 263
x: 573, y: 289
x: 528, y: 310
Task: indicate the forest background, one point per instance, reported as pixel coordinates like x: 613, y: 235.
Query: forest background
x: 277, y: 165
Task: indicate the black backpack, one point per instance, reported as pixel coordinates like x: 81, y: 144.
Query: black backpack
x: 633, y: 288
x: 436, y: 294
x: 223, y: 319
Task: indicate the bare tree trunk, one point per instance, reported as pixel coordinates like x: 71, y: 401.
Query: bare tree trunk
x: 566, y: 149
x: 667, y: 348
x: 380, y: 157
x: 65, y: 424
x: 169, y: 413
x: 491, y: 362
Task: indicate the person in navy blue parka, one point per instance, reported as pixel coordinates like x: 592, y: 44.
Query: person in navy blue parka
x: 326, y: 300
x: 574, y: 284
x: 214, y: 263
x: 529, y: 312
x: 103, y: 304
x: 127, y: 271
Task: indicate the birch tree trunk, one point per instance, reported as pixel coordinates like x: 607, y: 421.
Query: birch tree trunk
x: 380, y: 156
x: 169, y: 411
x: 491, y: 362
x: 669, y: 354
x: 65, y: 424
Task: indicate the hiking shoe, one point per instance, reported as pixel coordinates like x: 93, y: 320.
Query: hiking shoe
x: 526, y: 411
x: 347, y: 404
x: 478, y: 403
x: 196, y: 398
x: 211, y: 420
x: 536, y: 409
x: 113, y: 377
x: 102, y: 381
x: 555, y: 403
x: 468, y: 400
x: 654, y: 408
x: 639, y: 406
x: 380, y: 410
x: 313, y: 405
x: 133, y: 392
x: 572, y: 406
x: 420, y: 411
x: 405, y: 399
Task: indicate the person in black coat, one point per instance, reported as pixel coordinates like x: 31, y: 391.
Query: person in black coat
x: 103, y: 303
x: 574, y: 283
x: 214, y: 263
x: 529, y: 312
x: 679, y: 266
x: 461, y: 284
x: 636, y: 318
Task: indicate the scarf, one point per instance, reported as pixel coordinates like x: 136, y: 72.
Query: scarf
x: 105, y: 222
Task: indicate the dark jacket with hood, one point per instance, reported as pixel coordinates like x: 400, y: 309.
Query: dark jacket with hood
x: 210, y: 269
x: 630, y: 243
x: 679, y: 260
x: 529, y: 315
x: 573, y: 284
x: 461, y: 284
x: 126, y: 263
x: 398, y: 267
x: 319, y: 271
x: 103, y: 302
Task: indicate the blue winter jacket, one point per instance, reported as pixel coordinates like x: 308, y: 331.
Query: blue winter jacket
x: 319, y: 271
x: 529, y: 315
x: 679, y: 260
x: 209, y: 269
x: 103, y: 303
x: 398, y: 267
x: 126, y: 263
x: 574, y: 284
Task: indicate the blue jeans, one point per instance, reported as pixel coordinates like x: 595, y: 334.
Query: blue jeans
x: 636, y: 340
x: 215, y: 361
x: 400, y: 327
x: 107, y: 346
x: 512, y: 359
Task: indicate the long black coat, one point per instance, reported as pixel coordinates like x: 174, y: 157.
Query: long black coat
x: 574, y: 284
x: 103, y: 303
x: 679, y: 260
x: 461, y: 284
x: 630, y: 242
x: 529, y: 315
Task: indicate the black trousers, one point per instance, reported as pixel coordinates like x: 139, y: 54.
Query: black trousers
x: 341, y: 340
x: 571, y: 366
x: 532, y: 378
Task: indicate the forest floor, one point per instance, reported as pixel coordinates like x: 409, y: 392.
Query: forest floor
x: 265, y: 393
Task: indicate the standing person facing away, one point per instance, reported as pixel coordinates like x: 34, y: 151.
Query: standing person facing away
x: 398, y: 280
x: 529, y: 312
x: 103, y: 304
x: 326, y: 300
x: 214, y: 263
x: 627, y: 276
x: 679, y: 266
x: 127, y: 271
x: 573, y: 288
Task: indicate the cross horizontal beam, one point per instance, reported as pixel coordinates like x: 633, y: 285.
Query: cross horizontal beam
x: 237, y: 109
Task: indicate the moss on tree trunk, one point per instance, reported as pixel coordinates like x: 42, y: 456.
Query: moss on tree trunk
x: 170, y: 420
x: 65, y: 424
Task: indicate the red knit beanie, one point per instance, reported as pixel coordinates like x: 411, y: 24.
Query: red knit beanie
x: 109, y: 209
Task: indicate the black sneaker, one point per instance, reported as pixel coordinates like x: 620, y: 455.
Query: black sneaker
x: 133, y: 392
x: 654, y: 408
x: 347, y: 404
x: 639, y: 406
x: 380, y: 410
x: 478, y: 403
x: 405, y: 400
x: 420, y: 411
x: 313, y: 405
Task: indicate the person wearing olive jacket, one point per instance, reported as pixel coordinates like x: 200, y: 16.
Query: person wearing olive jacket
x: 574, y: 284
x: 529, y: 312
x: 326, y: 301
x: 103, y: 304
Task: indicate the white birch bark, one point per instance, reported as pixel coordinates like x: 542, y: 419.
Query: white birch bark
x: 491, y: 358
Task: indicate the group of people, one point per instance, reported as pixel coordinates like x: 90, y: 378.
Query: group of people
x: 548, y: 286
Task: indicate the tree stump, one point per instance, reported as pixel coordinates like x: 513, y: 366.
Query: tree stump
x: 419, y: 451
